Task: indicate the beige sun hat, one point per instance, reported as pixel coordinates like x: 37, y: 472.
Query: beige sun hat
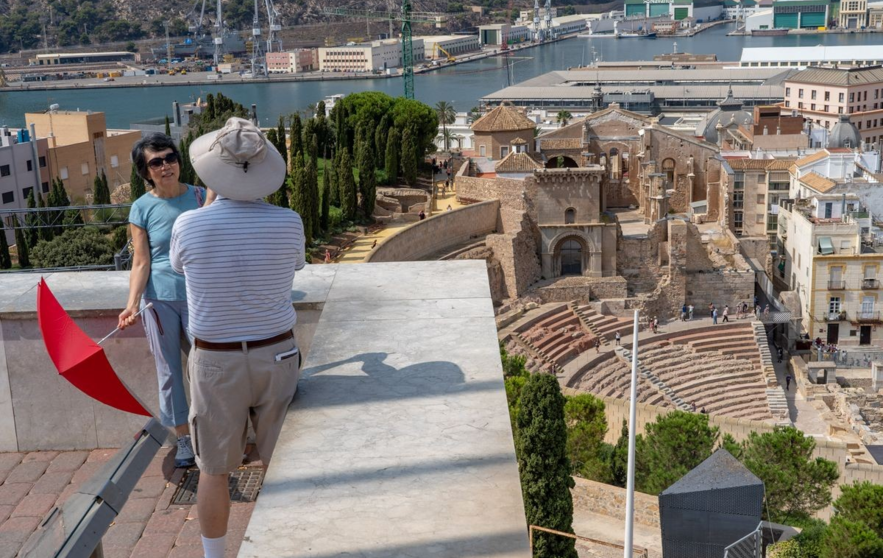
x: 238, y: 162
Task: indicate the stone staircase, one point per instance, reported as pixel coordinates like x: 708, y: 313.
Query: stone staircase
x: 612, y: 378
x: 655, y: 381
x: 556, y: 338
x: 604, y: 327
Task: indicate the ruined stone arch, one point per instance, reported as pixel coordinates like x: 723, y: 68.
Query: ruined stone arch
x: 569, y: 162
x: 563, y: 255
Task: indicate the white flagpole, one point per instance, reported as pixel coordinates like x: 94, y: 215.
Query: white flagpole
x: 630, y: 482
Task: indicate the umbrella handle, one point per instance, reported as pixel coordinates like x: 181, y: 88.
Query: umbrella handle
x: 138, y: 313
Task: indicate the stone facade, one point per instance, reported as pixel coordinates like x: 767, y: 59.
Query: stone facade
x: 633, y: 148
x: 491, y: 144
x: 609, y: 500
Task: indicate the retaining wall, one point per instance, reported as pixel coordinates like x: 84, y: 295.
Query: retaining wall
x: 444, y: 229
x: 609, y: 500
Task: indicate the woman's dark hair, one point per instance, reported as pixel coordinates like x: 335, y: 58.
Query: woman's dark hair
x: 154, y: 142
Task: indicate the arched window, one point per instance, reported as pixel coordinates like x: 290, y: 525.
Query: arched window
x: 668, y: 167
x: 570, y: 216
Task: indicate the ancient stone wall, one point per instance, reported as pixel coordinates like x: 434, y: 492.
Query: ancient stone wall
x: 720, y: 288
x: 435, y: 233
x: 516, y: 252
x: 609, y: 500
x: 508, y: 191
x: 583, y: 289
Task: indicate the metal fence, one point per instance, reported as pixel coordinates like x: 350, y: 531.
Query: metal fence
x: 749, y: 546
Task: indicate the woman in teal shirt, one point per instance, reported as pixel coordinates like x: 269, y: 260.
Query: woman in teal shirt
x: 153, y: 280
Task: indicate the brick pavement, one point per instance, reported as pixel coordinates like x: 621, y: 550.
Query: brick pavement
x: 149, y: 526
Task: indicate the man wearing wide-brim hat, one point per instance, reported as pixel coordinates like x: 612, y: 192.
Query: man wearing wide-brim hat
x: 239, y: 256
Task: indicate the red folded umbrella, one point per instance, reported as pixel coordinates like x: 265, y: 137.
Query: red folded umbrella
x: 80, y: 360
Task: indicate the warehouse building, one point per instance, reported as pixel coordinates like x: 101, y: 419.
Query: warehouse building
x: 492, y: 35
x: 704, y: 10
x: 800, y: 57
x: 435, y: 46
x: 801, y: 14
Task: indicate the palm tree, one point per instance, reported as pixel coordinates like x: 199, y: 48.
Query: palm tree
x: 447, y: 137
x: 446, y: 115
x: 564, y: 117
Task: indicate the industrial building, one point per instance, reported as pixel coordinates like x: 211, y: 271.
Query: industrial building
x: 704, y: 10
x: 366, y: 57
x: 801, y: 14
x: 853, y: 14
x: 799, y: 57
x: 646, y: 92
x: 492, y: 35
x: 293, y: 62
x: 875, y: 15
x: 435, y: 46
x: 82, y: 58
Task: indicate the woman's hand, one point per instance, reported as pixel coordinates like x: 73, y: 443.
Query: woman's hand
x: 128, y: 317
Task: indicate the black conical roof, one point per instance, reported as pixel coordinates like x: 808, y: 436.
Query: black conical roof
x: 719, y: 471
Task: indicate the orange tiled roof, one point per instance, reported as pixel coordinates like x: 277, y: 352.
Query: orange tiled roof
x: 817, y: 156
x: 818, y: 182
x: 517, y: 162
x: 504, y: 118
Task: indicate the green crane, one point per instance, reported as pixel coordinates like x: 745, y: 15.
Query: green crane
x: 407, y: 50
x: 407, y: 17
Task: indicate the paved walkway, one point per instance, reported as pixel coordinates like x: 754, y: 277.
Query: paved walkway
x: 612, y: 530
x: 149, y: 525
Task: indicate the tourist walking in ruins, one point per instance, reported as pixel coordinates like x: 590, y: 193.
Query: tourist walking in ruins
x: 597, y: 345
x: 779, y: 353
x: 245, y: 362
x: 690, y: 309
x: 617, y: 337
x: 153, y: 281
x: 788, y: 382
x: 766, y: 311
x: 684, y: 313
x: 714, y: 316
x: 726, y: 313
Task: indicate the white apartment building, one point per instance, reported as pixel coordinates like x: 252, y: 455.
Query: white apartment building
x: 830, y: 253
x: 452, y: 44
x: 19, y: 171
x: 375, y: 56
x: 853, y: 14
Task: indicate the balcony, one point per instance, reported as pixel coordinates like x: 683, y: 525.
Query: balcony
x: 870, y: 284
x: 867, y: 317
x: 836, y: 285
x: 835, y: 317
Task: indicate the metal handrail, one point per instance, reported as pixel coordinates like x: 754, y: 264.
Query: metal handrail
x: 75, y: 529
x: 757, y: 535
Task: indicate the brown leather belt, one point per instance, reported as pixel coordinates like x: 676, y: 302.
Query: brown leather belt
x: 237, y: 345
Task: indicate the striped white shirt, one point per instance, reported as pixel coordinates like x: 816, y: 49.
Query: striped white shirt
x: 239, y: 260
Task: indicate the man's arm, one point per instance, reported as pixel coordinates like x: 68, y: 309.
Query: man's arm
x: 175, y: 249
x: 301, y: 257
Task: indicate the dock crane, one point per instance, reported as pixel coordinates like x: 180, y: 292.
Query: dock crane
x: 407, y: 16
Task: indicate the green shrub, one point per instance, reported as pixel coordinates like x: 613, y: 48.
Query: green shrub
x: 75, y: 247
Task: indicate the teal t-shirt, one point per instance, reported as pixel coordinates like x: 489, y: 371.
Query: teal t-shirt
x: 157, y: 216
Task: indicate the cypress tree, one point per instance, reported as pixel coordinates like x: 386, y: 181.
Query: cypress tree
x: 136, y: 185
x: 297, y: 137
x: 326, y: 194
x: 187, y: 174
x: 544, y: 466
x: 367, y: 180
x: 210, y: 109
x: 168, y: 129
x: 314, y: 186
x: 47, y: 233
x: 334, y: 198
x: 32, y: 236
x: 21, y: 246
x: 71, y: 217
x: 380, y: 137
x: 300, y: 201
x: 409, y: 157
x: 311, y: 183
x: 392, y: 156
x: 347, y: 184
x: 5, y: 258
x: 280, y: 133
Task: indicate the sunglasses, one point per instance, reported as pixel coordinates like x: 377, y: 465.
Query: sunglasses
x: 158, y: 162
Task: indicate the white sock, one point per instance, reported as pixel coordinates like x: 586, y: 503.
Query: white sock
x: 214, y: 548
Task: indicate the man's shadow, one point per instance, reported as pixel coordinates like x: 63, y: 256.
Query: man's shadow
x: 380, y: 381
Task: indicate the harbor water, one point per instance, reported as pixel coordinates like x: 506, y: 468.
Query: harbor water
x: 462, y: 84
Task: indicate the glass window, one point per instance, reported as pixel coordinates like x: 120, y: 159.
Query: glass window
x: 26, y: 193
x: 812, y: 106
x: 42, y: 162
x: 8, y: 197
x: 62, y: 172
x: 570, y: 216
x: 834, y: 305
x: 813, y: 95
x: 4, y: 170
x: 30, y: 165
x: 114, y: 161
x: 84, y: 168
x: 761, y: 199
x: 45, y: 187
x: 800, y: 93
x: 827, y: 95
x: 852, y: 97
x: 787, y: 91
x: 840, y: 97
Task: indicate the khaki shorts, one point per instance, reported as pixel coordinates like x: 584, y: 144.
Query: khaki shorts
x: 229, y: 387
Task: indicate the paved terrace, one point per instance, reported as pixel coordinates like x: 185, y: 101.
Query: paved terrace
x: 397, y: 444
